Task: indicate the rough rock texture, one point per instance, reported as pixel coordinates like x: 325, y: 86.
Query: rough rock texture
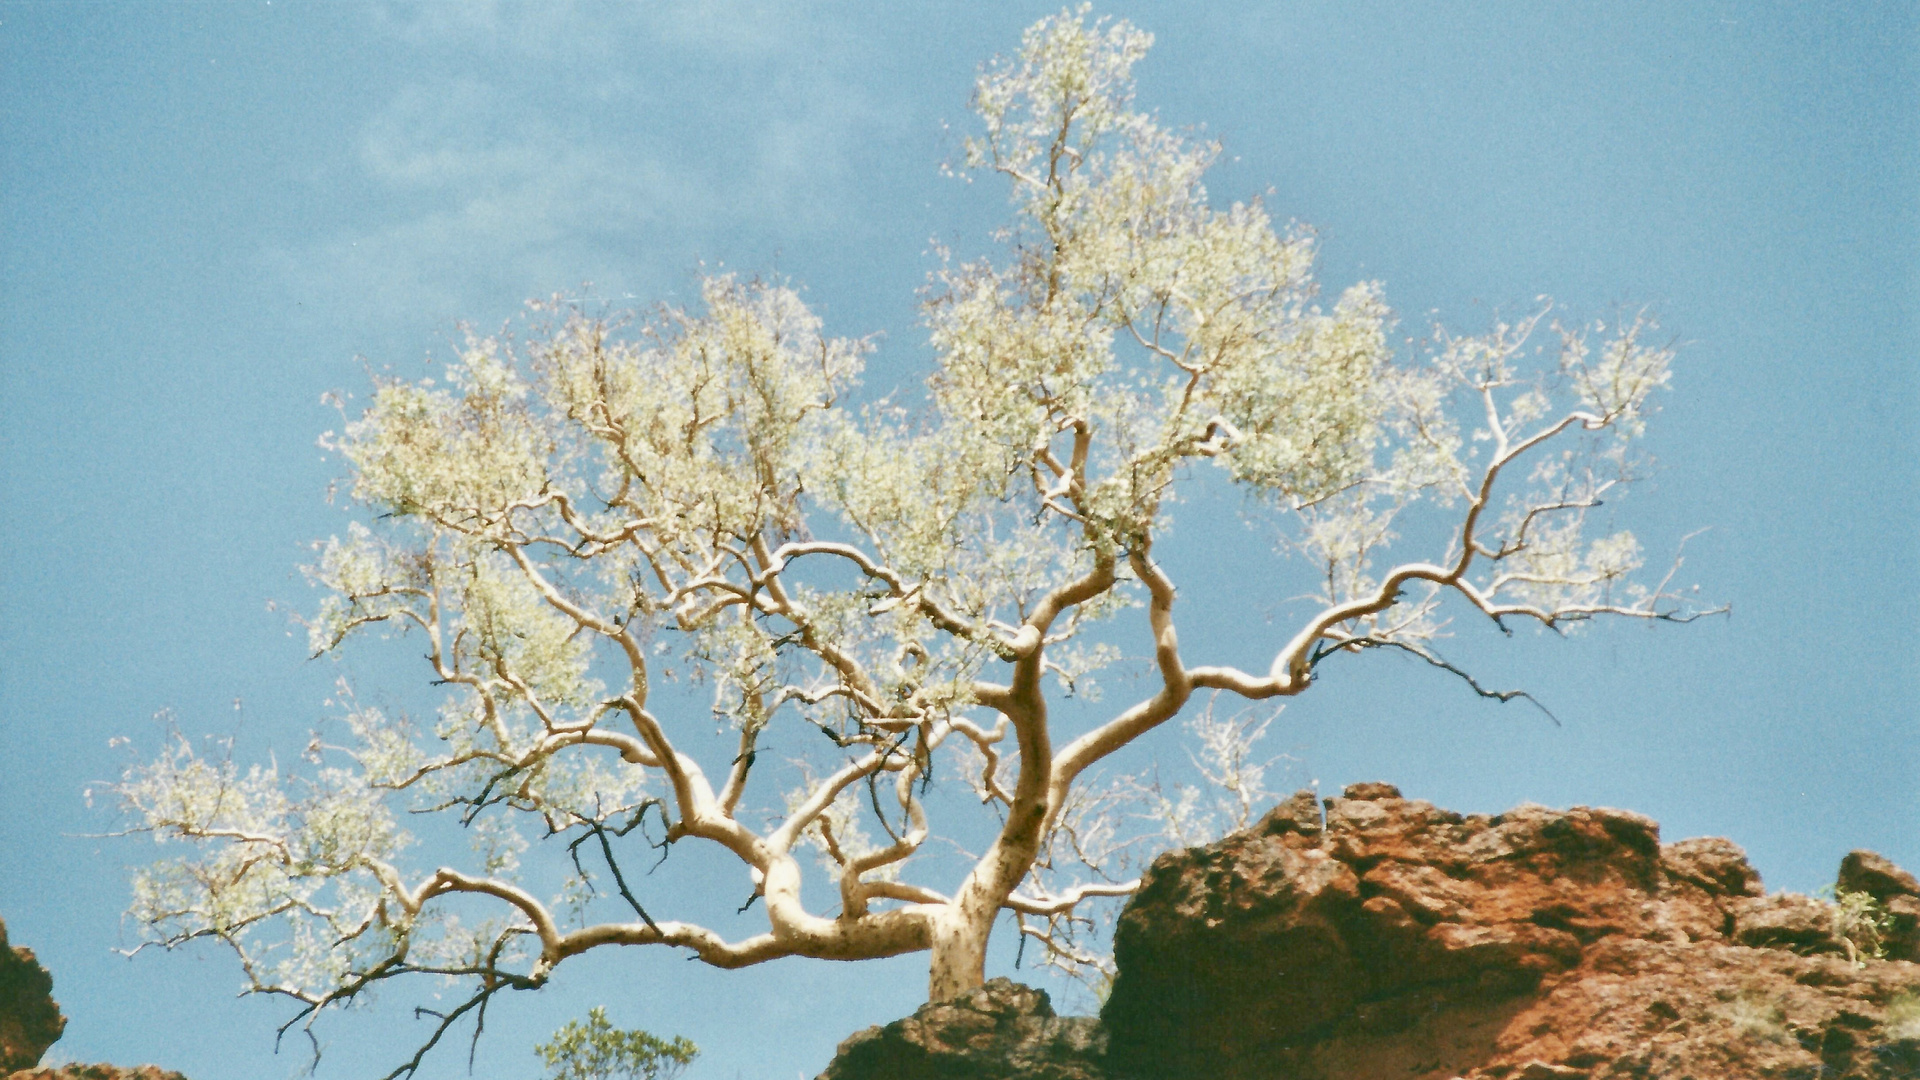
x: 1389, y: 940
x: 29, y: 1020
x: 1000, y: 1031
x: 1897, y: 891
x: 96, y: 1073
x: 1394, y: 939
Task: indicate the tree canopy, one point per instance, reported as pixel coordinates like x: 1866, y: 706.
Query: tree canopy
x: 574, y: 516
x: 596, y: 1050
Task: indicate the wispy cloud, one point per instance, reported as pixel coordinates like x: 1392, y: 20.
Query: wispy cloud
x: 532, y: 148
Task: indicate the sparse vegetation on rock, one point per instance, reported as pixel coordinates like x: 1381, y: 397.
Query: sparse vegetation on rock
x: 97, y: 1072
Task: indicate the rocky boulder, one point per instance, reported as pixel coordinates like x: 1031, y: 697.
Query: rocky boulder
x: 1372, y: 937
x: 96, y: 1073
x: 1896, y: 891
x: 1389, y: 938
x: 999, y: 1031
x: 30, y: 1021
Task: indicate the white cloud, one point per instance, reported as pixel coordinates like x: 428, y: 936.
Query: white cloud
x: 737, y: 28
x: 532, y: 148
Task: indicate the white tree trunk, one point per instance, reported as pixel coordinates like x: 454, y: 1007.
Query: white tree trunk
x: 959, y: 935
x: 959, y: 955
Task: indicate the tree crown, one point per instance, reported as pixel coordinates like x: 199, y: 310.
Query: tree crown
x: 570, y: 519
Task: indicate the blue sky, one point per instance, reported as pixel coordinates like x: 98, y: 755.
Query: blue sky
x: 213, y: 214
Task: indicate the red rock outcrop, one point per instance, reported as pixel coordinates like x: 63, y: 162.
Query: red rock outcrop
x: 29, y: 1020
x: 96, y: 1073
x: 1386, y: 939
x: 1897, y: 892
x: 1389, y: 938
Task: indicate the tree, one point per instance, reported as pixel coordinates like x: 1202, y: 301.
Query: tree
x: 574, y: 518
x: 596, y: 1050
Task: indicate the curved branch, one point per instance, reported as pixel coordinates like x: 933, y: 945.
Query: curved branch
x: 783, y: 836
x: 709, y: 946
x: 855, y: 892
x: 897, y: 588
x: 623, y: 635
x: 447, y: 880
x: 1064, y: 902
x: 1176, y: 686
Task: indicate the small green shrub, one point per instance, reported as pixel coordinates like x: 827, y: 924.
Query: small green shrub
x: 1861, y: 923
x: 596, y: 1050
x: 1752, y: 1015
x: 1903, y: 1016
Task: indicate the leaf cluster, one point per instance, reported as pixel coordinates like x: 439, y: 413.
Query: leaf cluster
x: 596, y: 1050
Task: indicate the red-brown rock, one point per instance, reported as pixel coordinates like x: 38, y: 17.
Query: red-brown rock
x: 1875, y: 875
x: 1390, y: 940
x: 1896, y: 890
x: 29, y: 1020
x: 1395, y: 939
x: 96, y: 1073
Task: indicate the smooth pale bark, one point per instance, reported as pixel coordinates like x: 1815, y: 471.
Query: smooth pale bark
x: 960, y: 932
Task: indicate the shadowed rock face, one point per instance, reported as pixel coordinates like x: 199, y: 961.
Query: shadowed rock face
x: 29, y: 1020
x: 1897, y: 891
x: 999, y: 1031
x: 1384, y: 938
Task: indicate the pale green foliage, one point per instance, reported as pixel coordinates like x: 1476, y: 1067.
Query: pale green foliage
x: 299, y: 850
x: 1134, y: 308
x: 566, y: 518
x: 596, y: 1050
x: 1862, y: 923
x: 1903, y: 1016
x: 1753, y: 1015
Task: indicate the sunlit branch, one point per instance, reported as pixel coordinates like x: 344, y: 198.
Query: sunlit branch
x: 623, y: 635
x: 899, y: 890
x: 853, y: 891
x: 1055, y: 946
x: 897, y: 587
x: 1176, y: 686
x: 1066, y: 901
x: 824, y: 793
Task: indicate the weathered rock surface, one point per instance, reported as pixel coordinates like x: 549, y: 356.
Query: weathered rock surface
x: 96, y: 1073
x: 1386, y: 938
x: 29, y: 1020
x: 1897, y: 891
x: 1000, y: 1031
x: 1395, y: 939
